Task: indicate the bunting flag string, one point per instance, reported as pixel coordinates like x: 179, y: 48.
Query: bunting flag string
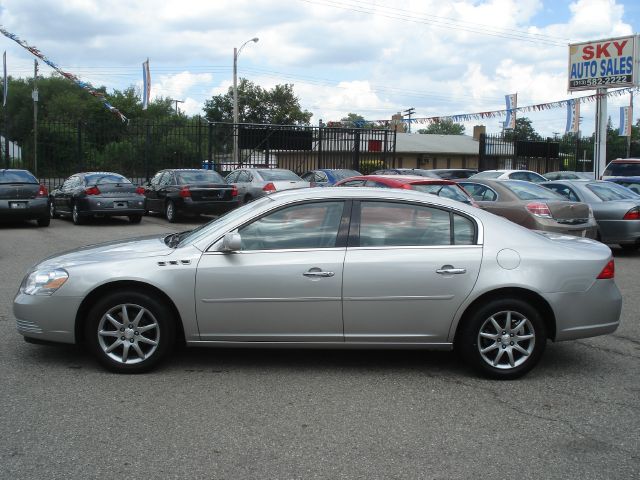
x: 70, y: 76
x: 468, y: 117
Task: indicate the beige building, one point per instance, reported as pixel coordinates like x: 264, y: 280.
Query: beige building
x: 416, y: 150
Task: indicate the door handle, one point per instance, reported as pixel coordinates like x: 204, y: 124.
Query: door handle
x: 450, y: 270
x: 318, y: 273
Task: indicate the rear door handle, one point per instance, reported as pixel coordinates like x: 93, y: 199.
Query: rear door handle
x: 318, y: 273
x: 449, y: 270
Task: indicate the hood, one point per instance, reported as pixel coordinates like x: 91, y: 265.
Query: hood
x: 148, y: 246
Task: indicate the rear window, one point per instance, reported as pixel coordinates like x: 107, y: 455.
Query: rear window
x: 623, y: 169
x: 98, y: 178
x: 16, y: 176
x: 342, y: 174
x: 531, y: 191
x: 196, y: 176
x: 610, y: 191
x: 275, y: 175
x: 446, y: 191
x: 487, y: 175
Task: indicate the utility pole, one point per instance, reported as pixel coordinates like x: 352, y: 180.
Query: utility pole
x: 34, y: 95
x: 407, y: 113
x: 176, y: 102
x: 630, y: 119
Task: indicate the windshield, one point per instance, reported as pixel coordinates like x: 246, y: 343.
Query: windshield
x: 446, y: 191
x: 530, y: 191
x: 199, y: 176
x: 204, y: 230
x: 342, y: 174
x: 610, y: 191
x: 487, y: 175
x: 16, y: 176
x: 98, y: 178
x: 623, y: 169
x: 275, y: 175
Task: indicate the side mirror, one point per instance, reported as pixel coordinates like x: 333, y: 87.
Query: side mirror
x: 231, y: 242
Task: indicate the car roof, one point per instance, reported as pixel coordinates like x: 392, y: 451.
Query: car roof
x: 401, y: 179
x: 625, y: 160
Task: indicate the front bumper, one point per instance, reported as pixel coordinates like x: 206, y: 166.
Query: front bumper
x: 33, y: 208
x: 112, y: 206
x: 46, y: 318
x: 587, y: 314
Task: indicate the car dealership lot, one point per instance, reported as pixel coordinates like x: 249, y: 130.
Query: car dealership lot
x: 309, y: 414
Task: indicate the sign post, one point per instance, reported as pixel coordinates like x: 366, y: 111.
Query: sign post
x: 598, y: 65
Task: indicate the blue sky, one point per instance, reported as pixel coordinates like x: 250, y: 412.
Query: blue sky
x: 373, y: 58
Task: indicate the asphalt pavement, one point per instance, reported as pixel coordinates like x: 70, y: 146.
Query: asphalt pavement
x: 281, y: 414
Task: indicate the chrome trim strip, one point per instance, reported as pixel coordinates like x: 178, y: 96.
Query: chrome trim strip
x: 327, y: 344
x: 417, y: 247
x: 270, y: 300
x: 399, y: 298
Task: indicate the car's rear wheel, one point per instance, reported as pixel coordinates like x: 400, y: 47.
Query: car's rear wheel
x: 503, y: 339
x: 76, y: 216
x: 247, y: 199
x: 135, y: 218
x: 130, y: 332
x: 52, y: 209
x: 44, y: 221
x: 170, y: 212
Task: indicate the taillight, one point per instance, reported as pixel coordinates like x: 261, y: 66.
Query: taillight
x: 42, y: 191
x: 633, y: 214
x: 92, y: 191
x: 608, y: 272
x: 140, y: 190
x: 539, y: 209
x: 234, y: 191
x: 269, y: 187
x: 406, y: 186
x: 184, y: 192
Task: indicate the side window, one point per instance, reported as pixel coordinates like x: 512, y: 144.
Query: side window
x: 67, y: 183
x: 464, y: 230
x: 353, y: 183
x: 231, y: 178
x: 167, y: 179
x: 480, y: 193
x: 520, y: 176
x: 398, y: 224
x: 243, y: 177
x: 156, y: 179
x: 564, y: 191
x: 307, y: 225
x: 320, y: 177
x: 308, y: 177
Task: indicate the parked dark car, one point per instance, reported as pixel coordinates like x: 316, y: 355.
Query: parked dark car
x: 452, y: 173
x: 90, y: 194
x: 434, y: 186
x: 174, y: 192
x: 616, y: 208
x: 325, y: 177
x: 406, y: 171
x: 253, y: 183
x: 532, y: 206
x: 622, y: 167
x: 22, y: 197
x: 632, y: 183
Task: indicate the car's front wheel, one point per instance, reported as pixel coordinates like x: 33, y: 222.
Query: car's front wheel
x: 130, y: 332
x: 503, y: 339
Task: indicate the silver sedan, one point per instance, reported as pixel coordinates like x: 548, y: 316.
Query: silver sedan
x: 332, y: 268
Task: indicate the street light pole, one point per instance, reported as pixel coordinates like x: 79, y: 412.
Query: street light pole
x: 236, y: 54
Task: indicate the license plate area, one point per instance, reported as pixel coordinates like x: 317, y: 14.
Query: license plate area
x: 17, y: 205
x: 120, y: 204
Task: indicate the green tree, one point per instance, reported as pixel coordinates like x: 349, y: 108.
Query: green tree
x: 277, y: 106
x: 524, y: 131
x: 444, y: 127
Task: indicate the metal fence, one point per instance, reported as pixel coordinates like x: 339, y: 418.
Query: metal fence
x: 139, y: 148
x: 566, y: 153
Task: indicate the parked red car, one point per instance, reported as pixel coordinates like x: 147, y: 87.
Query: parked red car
x: 440, y: 187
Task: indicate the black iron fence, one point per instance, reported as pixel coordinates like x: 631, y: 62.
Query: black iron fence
x: 139, y: 148
x: 566, y: 153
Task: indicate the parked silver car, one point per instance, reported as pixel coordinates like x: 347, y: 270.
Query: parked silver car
x: 254, y: 183
x: 616, y: 208
x: 333, y: 268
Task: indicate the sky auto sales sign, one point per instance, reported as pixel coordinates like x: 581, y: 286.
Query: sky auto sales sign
x: 603, y: 64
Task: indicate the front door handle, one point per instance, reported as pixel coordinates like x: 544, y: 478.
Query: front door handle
x: 450, y: 270
x: 318, y: 273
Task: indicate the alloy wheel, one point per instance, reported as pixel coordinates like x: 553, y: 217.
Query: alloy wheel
x: 506, y: 340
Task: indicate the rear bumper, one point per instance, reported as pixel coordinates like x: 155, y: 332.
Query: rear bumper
x: 117, y: 206
x: 586, y: 230
x: 216, y: 206
x: 587, y: 314
x: 620, y: 231
x: 33, y: 208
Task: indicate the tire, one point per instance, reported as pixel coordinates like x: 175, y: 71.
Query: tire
x: 135, y: 218
x: 170, y: 212
x: 630, y: 247
x: 247, y: 199
x: 135, y: 346
x: 496, y: 352
x: 76, y: 216
x: 44, y: 221
x: 53, y: 213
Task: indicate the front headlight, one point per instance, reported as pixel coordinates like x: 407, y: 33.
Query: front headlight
x: 44, y: 282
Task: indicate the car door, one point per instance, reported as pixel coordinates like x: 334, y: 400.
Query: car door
x: 284, y: 284
x: 165, y: 188
x: 407, y: 270
x: 64, y: 200
x: 151, y: 193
